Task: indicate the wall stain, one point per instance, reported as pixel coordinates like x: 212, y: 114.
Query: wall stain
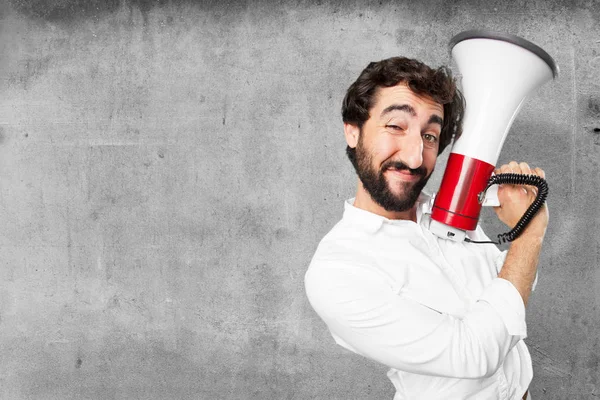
x: 29, y: 70
x: 548, y: 364
x: 404, y: 36
x: 593, y: 113
x: 64, y: 10
x: 72, y: 11
x: 594, y: 107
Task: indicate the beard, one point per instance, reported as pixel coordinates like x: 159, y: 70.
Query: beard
x: 375, y: 183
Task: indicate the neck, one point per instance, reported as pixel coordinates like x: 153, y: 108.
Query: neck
x: 364, y: 201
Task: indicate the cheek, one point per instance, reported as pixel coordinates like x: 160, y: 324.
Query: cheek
x: 429, y: 159
x: 384, y: 148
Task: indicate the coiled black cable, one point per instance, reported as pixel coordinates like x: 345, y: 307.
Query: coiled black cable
x: 518, y: 179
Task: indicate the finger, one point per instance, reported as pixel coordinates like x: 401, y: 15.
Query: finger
x: 540, y: 172
x: 525, y: 168
x: 514, y: 167
x: 505, y: 169
x: 533, y: 190
x: 530, y: 190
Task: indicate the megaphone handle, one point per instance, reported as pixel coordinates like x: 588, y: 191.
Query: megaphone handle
x: 491, y: 197
x: 519, y: 179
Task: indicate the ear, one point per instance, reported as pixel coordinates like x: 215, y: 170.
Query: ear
x: 351, y: 132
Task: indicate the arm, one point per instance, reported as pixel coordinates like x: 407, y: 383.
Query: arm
x: 368, y: 317
x: 521, y: 261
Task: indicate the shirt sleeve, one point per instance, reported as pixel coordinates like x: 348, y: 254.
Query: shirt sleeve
x: 365, y: 315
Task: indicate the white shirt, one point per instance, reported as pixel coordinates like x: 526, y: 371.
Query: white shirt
x: 431, y: 309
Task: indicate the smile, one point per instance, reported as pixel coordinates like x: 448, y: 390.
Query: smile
x: 403, y: 174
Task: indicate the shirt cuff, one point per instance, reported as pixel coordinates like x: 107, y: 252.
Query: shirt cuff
x: 506, y: 300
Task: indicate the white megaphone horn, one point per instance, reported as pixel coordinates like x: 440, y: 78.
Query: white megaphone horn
x: 498, y: 72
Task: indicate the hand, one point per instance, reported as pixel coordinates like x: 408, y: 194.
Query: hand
x: 515, y: 199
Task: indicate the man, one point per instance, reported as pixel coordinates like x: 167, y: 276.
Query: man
x: 448, y: 318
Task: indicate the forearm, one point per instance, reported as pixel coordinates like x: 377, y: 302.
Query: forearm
x: 520, y: 267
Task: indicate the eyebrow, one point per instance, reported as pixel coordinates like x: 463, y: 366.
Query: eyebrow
x: 434, y: 119
x: 399, y: 107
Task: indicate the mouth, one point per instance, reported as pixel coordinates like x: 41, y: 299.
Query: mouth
x: 403, y: 174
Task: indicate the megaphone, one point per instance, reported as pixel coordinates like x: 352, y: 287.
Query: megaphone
x: 498, y: 72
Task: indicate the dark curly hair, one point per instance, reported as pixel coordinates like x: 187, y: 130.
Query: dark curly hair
x: 438, y: 84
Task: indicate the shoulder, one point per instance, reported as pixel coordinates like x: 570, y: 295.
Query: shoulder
x: 346, y: 246
x: 491, y: 251
x: 343, y: 264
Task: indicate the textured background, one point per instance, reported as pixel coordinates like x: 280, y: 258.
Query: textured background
x: 167, y: 169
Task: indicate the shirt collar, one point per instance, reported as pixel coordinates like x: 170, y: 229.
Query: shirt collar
x: 372, y: 222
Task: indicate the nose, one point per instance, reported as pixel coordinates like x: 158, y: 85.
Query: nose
x: 411, y: 152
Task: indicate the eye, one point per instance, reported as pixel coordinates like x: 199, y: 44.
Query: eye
x: 429, y: 139
x: 394, y: 128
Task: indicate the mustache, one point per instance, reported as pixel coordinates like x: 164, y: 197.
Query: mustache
x: 400, y: 166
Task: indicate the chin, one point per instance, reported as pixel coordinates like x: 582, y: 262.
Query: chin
x: 400, y: 189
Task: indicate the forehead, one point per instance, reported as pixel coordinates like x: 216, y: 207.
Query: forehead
x: 401, y: 94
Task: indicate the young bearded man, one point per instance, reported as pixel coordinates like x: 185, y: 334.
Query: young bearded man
x: 448, y: 318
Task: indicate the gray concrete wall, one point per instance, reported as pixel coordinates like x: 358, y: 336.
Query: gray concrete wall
x: 167, y: 169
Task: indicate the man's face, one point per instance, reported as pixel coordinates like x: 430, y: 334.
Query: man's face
x: 397, y: 147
